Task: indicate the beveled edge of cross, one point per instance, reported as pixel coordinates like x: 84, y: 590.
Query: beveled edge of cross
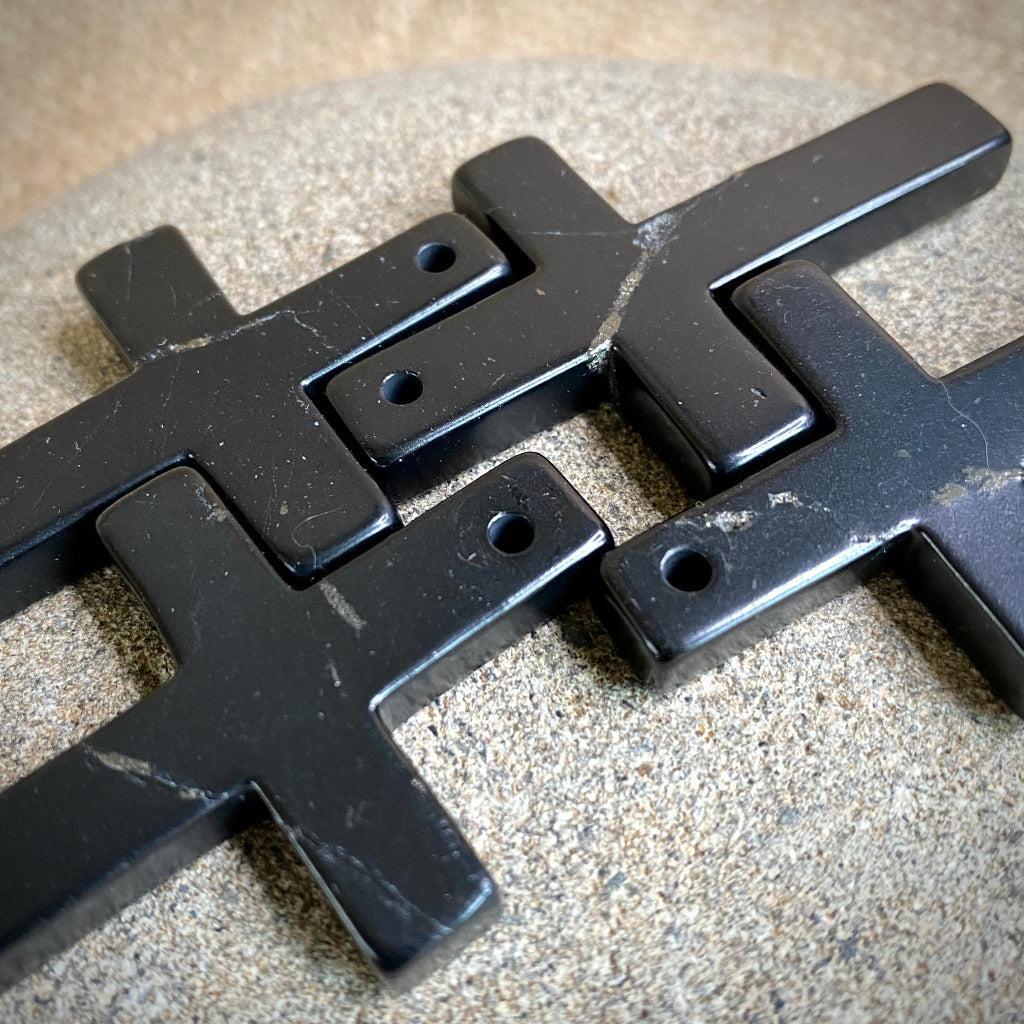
x: 337, y: 664
x: 928, y: 494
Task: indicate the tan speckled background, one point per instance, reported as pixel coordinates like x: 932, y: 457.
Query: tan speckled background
x: 86, y: 83
x: 829, y: 828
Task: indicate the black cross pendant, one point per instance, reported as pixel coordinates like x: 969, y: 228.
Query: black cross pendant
x: 919, y: 473
x: 282, y: 704
x: 231, y: 393
x: 649, y: 302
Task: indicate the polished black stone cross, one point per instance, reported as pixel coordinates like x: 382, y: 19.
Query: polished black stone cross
x: 231, y: 393
x: 650, y: 300
x: 921, y: 474
x: 282, y: 704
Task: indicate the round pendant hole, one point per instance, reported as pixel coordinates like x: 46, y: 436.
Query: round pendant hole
x: 511, y: 533
x: 435, y: 257
x: 686, y: 570
x: 401, y: 387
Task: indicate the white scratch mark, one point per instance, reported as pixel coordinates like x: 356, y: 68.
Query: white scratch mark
x: 989, y: 480
x: 340, y: 606
x: 950, y: 494
x: 963, y: 415
x: 298, y: 526
x: 728, y: 521
x: 215, y: 511
x: 142, y: 772
x: 651, y: 237
x: 389, y: 892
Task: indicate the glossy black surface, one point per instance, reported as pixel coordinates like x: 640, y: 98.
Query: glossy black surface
x: 282, y: 705
x: 920, y: 474
x: 231, y: 393
x: 650, y: 301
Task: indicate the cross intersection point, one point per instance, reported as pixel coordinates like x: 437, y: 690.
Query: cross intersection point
x: 282, y: 705
x: 921, y: 474
x: 641, y: 311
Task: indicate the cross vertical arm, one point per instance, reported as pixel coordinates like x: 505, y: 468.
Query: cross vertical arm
x: 854, y: 189
x: 197, y: 570
x: 152, y: 295
x: 55, y: 479
x: 483, y: 568
x: 843, y: 357
x: 292, y: 478
x: 391, y: 862
x: 967, y: 564
x: 973, y: 584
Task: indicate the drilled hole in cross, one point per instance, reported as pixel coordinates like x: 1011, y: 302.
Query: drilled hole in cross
x: 511, y: 533
x: 435, y: 257
x: 686, y: 570
x: 401, y: 387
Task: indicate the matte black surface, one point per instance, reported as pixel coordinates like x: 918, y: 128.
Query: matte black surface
x: 229, y: 392
x: 921, y: 474
x: 655, y: 296
x: 282, y: 705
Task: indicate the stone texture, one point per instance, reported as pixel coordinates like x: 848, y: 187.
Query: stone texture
x: 830, y: 827
x: 85, y: 85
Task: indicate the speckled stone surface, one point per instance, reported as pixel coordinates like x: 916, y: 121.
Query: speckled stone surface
x: 828, y: 828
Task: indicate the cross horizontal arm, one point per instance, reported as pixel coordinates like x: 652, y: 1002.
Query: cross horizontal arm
x: 696, y: 589
x: 155, y: 298
x: 100, y: 825
x: 477, y: 571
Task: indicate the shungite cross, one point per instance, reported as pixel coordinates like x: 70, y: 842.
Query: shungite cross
x: 282, y: 704
x: 922, y: 474
x: 230, y: 393
x: 650, y: 300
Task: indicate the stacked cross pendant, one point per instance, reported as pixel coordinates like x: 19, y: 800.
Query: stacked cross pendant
x: 242, y: 477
